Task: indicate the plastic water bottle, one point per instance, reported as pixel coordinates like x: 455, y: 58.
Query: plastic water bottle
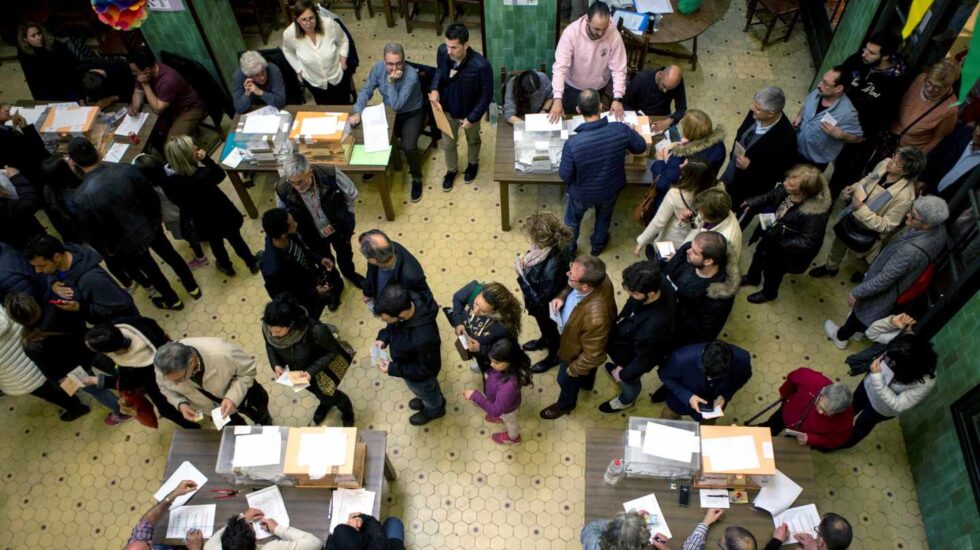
x: 614, y: 472
x: 657, y: 19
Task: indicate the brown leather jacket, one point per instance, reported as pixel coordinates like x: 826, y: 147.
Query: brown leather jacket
x: 584, y: 339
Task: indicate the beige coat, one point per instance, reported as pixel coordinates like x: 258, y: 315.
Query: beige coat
x: 228, y: 374
x: 890, y: 216
x: 729, y: 229
x: 666, y: 224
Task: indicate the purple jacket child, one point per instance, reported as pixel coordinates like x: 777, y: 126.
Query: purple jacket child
x: 503, y: 395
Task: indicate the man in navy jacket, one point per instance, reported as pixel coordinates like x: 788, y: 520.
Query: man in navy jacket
x: 463, y: 86
x: 593, y: 166
x: 708, y: 373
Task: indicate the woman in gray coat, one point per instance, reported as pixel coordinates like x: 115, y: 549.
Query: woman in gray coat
x: 895, y: 270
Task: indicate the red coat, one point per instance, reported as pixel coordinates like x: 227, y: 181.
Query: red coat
x: 800, y: 391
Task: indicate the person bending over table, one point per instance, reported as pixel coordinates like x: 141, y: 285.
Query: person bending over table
x: 735, y: 537
x: 652, y: 91
x: 239, y: 534
x: 624, y: 530
x: 703, y: 374
x: 833, y: 533
x: 142, y: 535
x: 364, y: 532
x: 526, y: 93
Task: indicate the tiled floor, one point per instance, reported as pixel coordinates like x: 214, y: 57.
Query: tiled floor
x: 82, y: 485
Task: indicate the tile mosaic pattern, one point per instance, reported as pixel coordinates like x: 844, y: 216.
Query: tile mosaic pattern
x: 519, y: 37
x: 85, y: 485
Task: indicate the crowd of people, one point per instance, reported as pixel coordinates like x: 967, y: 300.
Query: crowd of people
x: 897, y: 157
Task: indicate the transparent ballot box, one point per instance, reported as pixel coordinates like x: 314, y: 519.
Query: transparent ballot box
x: 272, y: 473
x: 670, y: 442
x: 539, y: 151
x: 264, y: 135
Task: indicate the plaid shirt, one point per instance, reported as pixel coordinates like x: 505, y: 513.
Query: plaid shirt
x: 143, y: 532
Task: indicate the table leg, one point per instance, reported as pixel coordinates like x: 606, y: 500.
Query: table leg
x: 236, y: 182
x: 389, y: 18
x: 505, y: 206
x: 284, y: 6
x: 385, y: 193
x: 694, y: 55
x: 390, y: 474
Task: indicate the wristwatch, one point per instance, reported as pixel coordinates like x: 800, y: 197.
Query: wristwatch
x: 619, y: 99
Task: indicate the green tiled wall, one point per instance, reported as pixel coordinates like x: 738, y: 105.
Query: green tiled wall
x: 849, y: 34
x: 945, y: 496
x: 519, y: 37
x: 223, y: 33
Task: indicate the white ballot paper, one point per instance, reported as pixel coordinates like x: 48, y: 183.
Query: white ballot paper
x: 663, y: 144
x: 319, y: 126
x: 30, y: 114
x: 345, y: 502
x: 72, y: 118
x: 715, y: 498
x: 653, y: 6
x: 829, y: 118
x: 322, y: 449
x: 731, y: 453
x: 575, y: 122
x: 131, y: 124
x: 185, y: 471
x: 635, y: 438
x: 669, y: 442
x: 261, y: 124
x: 766, y: 220
x: 234, y: 158
x: 374, y: 116
x: 778, y: 495
x: 648, y: 506
x: 375, y: 128
x: 116, y: 152
x: 186, y: 518
x: 378, y: 355
x: 802, y: 519
x: 555, y: 315
x: 715, y: 413
x: 73, y: 381
x: 538, y: 122
x: 257, y: 450
x: 629, y: 117
x: 269, y: 500
x: 290, y: 379
x: 665, y: 249
x: 243, y: 430
x: 219, y: 421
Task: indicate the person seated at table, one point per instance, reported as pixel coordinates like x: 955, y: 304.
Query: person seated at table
x: 527, y: 92
x: 364, y: 532
x: 703, y: 374
x: 142, y: 535
x: 485, y: 313
x: 167, y: 94
x: 735, y: 537
x: 239, y: 534
x: 45, y: 62
x: 833, y: 533
x: 21, y: 145
x: 300, y: 344
x: 401, y: 91
x: 653, y: 90
x: 257, y: 83
x: 624, y: 530
x: 104, y: 81
x: 818, y: 409
x: 700, y: 138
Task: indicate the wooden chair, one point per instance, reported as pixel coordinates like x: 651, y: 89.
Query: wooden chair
x: 771, y: 12
x: 262, y: 12
x: 636, y: 51
x: 355, y: 4
x: 410, y: 10
x: 456, y: 17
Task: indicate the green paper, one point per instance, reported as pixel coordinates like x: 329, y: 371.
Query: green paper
x: 361, y: 158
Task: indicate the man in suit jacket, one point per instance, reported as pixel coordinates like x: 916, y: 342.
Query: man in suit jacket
x: 700, y: 374
x: 389, y: 263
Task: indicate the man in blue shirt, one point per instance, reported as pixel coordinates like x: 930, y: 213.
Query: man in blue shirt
x: 827, y: 121
x: 257, y: 84
x: 398, y: 83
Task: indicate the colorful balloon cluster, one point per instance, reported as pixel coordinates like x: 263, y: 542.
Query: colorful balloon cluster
x: 121, y: 15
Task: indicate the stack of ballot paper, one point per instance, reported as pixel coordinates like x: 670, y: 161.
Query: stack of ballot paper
x: 260, y: 449
x: 777, y: 495
x: 731, y: 454
x: 379, y: 355
x: 269, y: 500
x: 293, y: 379
x: 669, y: 442
x: 349, y: 501
x: 802, y: 519
x: 375, y: 128
x: 73, y: 380
x: 31, y: 114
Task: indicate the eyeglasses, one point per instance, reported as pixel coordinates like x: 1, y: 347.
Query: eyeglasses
x: 309, y: 19
x: 396, y: 64
x: 932, y: 85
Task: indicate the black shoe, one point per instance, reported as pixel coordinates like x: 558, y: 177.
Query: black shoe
x: 160, y: 303
x: 416, y: 189
x: 348, y: 421
x: 196, y: 293
x: 68, y: 416
x: 333, y: 305
x: 416, y: 404
x: 759, y: 298
x: 320, y: 414
x: 447, y: 181
x: 749, y: 281
x: 545, y: 364
x: 857, y: 277
x: 226, y: 269
x: 421, y: 419
x: 534, y: 345
x: 659, y: 396
x: 597, y: 251
x: 470, y: 173
x: 254, y: 268
x: 357, y: 280
x: 822, y: 271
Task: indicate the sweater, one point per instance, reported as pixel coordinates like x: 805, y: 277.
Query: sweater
x: 592, y: 161
x: 402, y: 96
x: 18, y: 374
x: 874, y: 92
x: 503, y: 395
x: 584, y: 63
x: 319, y: 65
x: 273, y: 91
x: 465, y: 90
x: 928, y: 132
x: 643, y: 94
x: 895, y: 398
x: 800, y: 392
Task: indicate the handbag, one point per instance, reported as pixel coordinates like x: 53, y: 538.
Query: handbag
x: 330, y: 377
x: 645, y: 209
x: 854, y: 234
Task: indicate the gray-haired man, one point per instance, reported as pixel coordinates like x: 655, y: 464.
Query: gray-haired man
x: 256, y: 84
x: 390, y: 263
x: 400, y: 90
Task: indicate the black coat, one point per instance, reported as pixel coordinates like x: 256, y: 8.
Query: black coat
x: 48, y: 72
x: 24, y: 150
x: 16, y: 275
x: 199, y: 197
x: 407, y: 272
x: 333, y: 201
x: 374, y: 535
x: 101, y: 298
x: 493, y: 330
x: 17, y: 222
x: 796, y: 238
x: 312, y: 353
x: 118, y: 209
x: 414, y: 344
x: 943, y: 157
x: 641, y: 337
x: 770, y: 157
x: 703, y: 305
x: 543, y: 281
x: 62, y: 348
x: 282, y: 273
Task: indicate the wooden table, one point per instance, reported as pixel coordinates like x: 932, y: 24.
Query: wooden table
x: 309, y: 509
x: 234, y: 174
x: 603, y: 501
x: 505, y: 174
x: 133, y: 151
x: 677, y: 27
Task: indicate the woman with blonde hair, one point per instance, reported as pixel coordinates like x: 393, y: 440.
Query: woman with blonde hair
x: 194, y: 188
x: 484, y: 313
x: 701, y: 139
x: 542, y: 274
x: 927, y: 111
x: 47, y: 64
x: 317, y: 49
x: 787, y: 244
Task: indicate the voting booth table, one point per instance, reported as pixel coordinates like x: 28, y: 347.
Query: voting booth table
x: 761, y: 481
x: 308, y: 478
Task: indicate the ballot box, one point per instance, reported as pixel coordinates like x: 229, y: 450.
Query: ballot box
x: 735, y: 457
x: 660, y: 448
x: 324, y: 137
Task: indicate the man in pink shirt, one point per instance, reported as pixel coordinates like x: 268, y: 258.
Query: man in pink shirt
x: 590, y: 52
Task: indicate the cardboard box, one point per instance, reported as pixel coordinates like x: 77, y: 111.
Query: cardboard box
x: 323, y: 148
x: 710, y: 477
x: 349, y: 475
x: 76, y: 121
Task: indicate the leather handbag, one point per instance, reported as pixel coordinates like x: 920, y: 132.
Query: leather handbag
x: 854, y: 234
x: 645, y: 210
x: 330, y: 377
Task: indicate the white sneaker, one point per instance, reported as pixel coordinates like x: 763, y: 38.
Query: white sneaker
x: 857, y: 337
x: 615, y: 405
x: 830, y: 329
x: 474, y: 366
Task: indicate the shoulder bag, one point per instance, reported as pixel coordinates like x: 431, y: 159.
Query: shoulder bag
x: 854, y: 234
x: 645, y: 210
x: 886, y: 142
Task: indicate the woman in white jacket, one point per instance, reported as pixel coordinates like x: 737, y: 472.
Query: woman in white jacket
x: 19, y: 376
x: 316, y: 48
x: 899, y: 379
x: 674, y: 219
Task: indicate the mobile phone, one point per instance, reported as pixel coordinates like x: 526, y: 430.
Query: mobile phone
x: 706, y: 407
x: 684, y: 496
x: 58, y: 302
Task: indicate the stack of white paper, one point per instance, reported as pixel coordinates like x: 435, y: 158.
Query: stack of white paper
x: 729, y: 454
x: 261, y: 124
x: 116, y: 152
x: 131, y: 125
x: 186, y: 518
x: 319, y: 126
x: 73, y: 119
x: 30, y: 114
x: 669, y: 442
x: 653, y: 6
x: 802, y: 519
x: 375, y: 128
x: 288, y: 379
x: 257, y: 449
x: 777, y: 495
x: 345, y: 502
x: 715, y: 498
x: 319, y: 451
x: 379, y: 355
x: 629, y: 117
x: 538, y: 122
x: 269, y: 500
x: 649, y: 507
x: 219, y: 420
x: 185, y: 471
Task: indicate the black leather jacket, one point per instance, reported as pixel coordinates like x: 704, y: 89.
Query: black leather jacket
x: 542, y: 282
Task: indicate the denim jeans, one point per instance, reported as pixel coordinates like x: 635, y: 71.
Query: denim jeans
x: 629, y: 390
x: 603, y: 217
x: 105, y: 397
x: 430, y: 394
x: 394, y: 528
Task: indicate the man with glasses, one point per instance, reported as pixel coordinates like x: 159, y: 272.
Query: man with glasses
x: 400, y: 90
x: 586, y: 309
x: 833, y: 533
x: 590, y: 53
x: 826, y: 122
x: 198, y: 375
x: 703, y: 377
x: 321, y: 200
x: 653, y: 91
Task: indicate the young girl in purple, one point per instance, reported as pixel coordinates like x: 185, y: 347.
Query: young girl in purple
x: 510, y: 371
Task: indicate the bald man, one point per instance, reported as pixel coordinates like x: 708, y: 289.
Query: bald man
x: 653, y: 91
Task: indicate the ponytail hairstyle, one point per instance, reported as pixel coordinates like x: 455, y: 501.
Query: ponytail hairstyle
x: 507, y: 350
x: 506, y: 307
